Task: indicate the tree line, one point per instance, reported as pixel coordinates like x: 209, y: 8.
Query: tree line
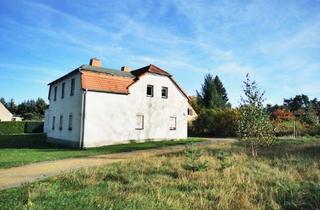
x: 255, y: 123
x: 29, y: 110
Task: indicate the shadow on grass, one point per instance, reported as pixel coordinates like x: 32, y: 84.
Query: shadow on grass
x: 24, y: 141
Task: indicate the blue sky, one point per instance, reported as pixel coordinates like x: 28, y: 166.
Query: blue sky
x: 277, y: 42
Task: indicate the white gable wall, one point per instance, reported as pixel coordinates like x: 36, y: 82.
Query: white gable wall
x: 69, y: 104
x: 111, y: 118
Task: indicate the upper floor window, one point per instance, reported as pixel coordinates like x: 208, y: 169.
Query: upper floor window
x: 150, y: 90
x: 173, y: 123
x: 55, y: 93
x: 164, y: 92
x: 72, y: 87
x: 62, y: 90
x: 53, y: 122
x: 139, y: 122
x: 70, y: 121
x: 61, y: 122
x: 190, y: 111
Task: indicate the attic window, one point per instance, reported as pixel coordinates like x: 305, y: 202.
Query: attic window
x: 62, y: 90
x: 72, y: 87
x: 150, y: 90
x: 164, y: 92
x: 55, y: 93
x: 190, y: 112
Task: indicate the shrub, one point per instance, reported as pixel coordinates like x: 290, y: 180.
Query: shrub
x: 20, y: 127
x: 215, y: 122
x: 34, y: 127
x: 12, y: 127
x: 286, y: 128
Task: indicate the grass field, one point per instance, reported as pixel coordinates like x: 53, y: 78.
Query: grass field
x: 17, y: 150
x: 287, y: 176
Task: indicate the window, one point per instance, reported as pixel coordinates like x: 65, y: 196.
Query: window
x: 55, y: 93
x: 62, y: 90
x: 61, y: 122
x: 173, y: 123
x: 70, y: 122
x: 53, y: 122
x: 72, y: 87
x: 150, y: 90
x: 190, y: 112
x: 139, y: 122
x: 164, y: 92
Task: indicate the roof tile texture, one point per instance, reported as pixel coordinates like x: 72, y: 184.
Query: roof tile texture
x: 104, y: 82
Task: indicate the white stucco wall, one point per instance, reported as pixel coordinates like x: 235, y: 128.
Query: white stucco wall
x: 69, y: 104
x: 111, y: 118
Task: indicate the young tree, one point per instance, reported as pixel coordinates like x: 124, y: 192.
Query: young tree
x: 255, y: 127
x: 209, y: 97
x: 221, y: 91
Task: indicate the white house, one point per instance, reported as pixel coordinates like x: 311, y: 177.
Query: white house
x: 93, y: 106
x: 5, y: 115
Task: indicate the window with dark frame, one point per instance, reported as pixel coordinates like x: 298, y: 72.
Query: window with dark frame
x: 70, y: 122
x: 139, y: 122
x: 190, y: 112
x: 72, y: 87
x: 62, y: 90
x: 53, y: 122
x: 164, y: 92
x: 61, y: 122
x: 150, y: 90
x: 55, y: 93
x: 173, y: 123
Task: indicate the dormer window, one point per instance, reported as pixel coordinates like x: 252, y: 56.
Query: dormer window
x: 164, y: 92
x: 150, y: 90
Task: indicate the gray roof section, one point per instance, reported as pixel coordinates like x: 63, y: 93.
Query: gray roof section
x: 107, y: 71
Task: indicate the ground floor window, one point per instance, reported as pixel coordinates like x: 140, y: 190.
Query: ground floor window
x: 61, y: 122
x: 173, y: 123
x: 53, y: 122
x: 139, y: 122
x: 70, y: 122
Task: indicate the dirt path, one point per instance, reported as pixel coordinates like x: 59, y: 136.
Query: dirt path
x: 16, y: 176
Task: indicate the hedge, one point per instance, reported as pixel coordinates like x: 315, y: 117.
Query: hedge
x: 21, y: 127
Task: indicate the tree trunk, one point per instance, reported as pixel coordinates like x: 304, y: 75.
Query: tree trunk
x: 252, y: 150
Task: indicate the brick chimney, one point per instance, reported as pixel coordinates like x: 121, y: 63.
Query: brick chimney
x: 95, y: 62
x: 125, y: 68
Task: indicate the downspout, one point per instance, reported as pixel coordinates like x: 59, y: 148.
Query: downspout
x: 83, y: 111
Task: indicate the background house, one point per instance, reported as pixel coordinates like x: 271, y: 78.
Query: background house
x: 5, y: 115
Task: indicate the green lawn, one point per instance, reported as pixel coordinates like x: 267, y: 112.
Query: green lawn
x: 286, y: 176
x: 17, y: 150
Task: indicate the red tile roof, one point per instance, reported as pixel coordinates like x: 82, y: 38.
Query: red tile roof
x: 114, y: 81
x: 104, y: 82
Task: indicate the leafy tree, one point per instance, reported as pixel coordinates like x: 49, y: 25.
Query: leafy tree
x: 255, y: 127
x: 310, y: 117
x: 209, y: 97
x: 41, y: 106
x: 296, y: 103
x: 222, y: 92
